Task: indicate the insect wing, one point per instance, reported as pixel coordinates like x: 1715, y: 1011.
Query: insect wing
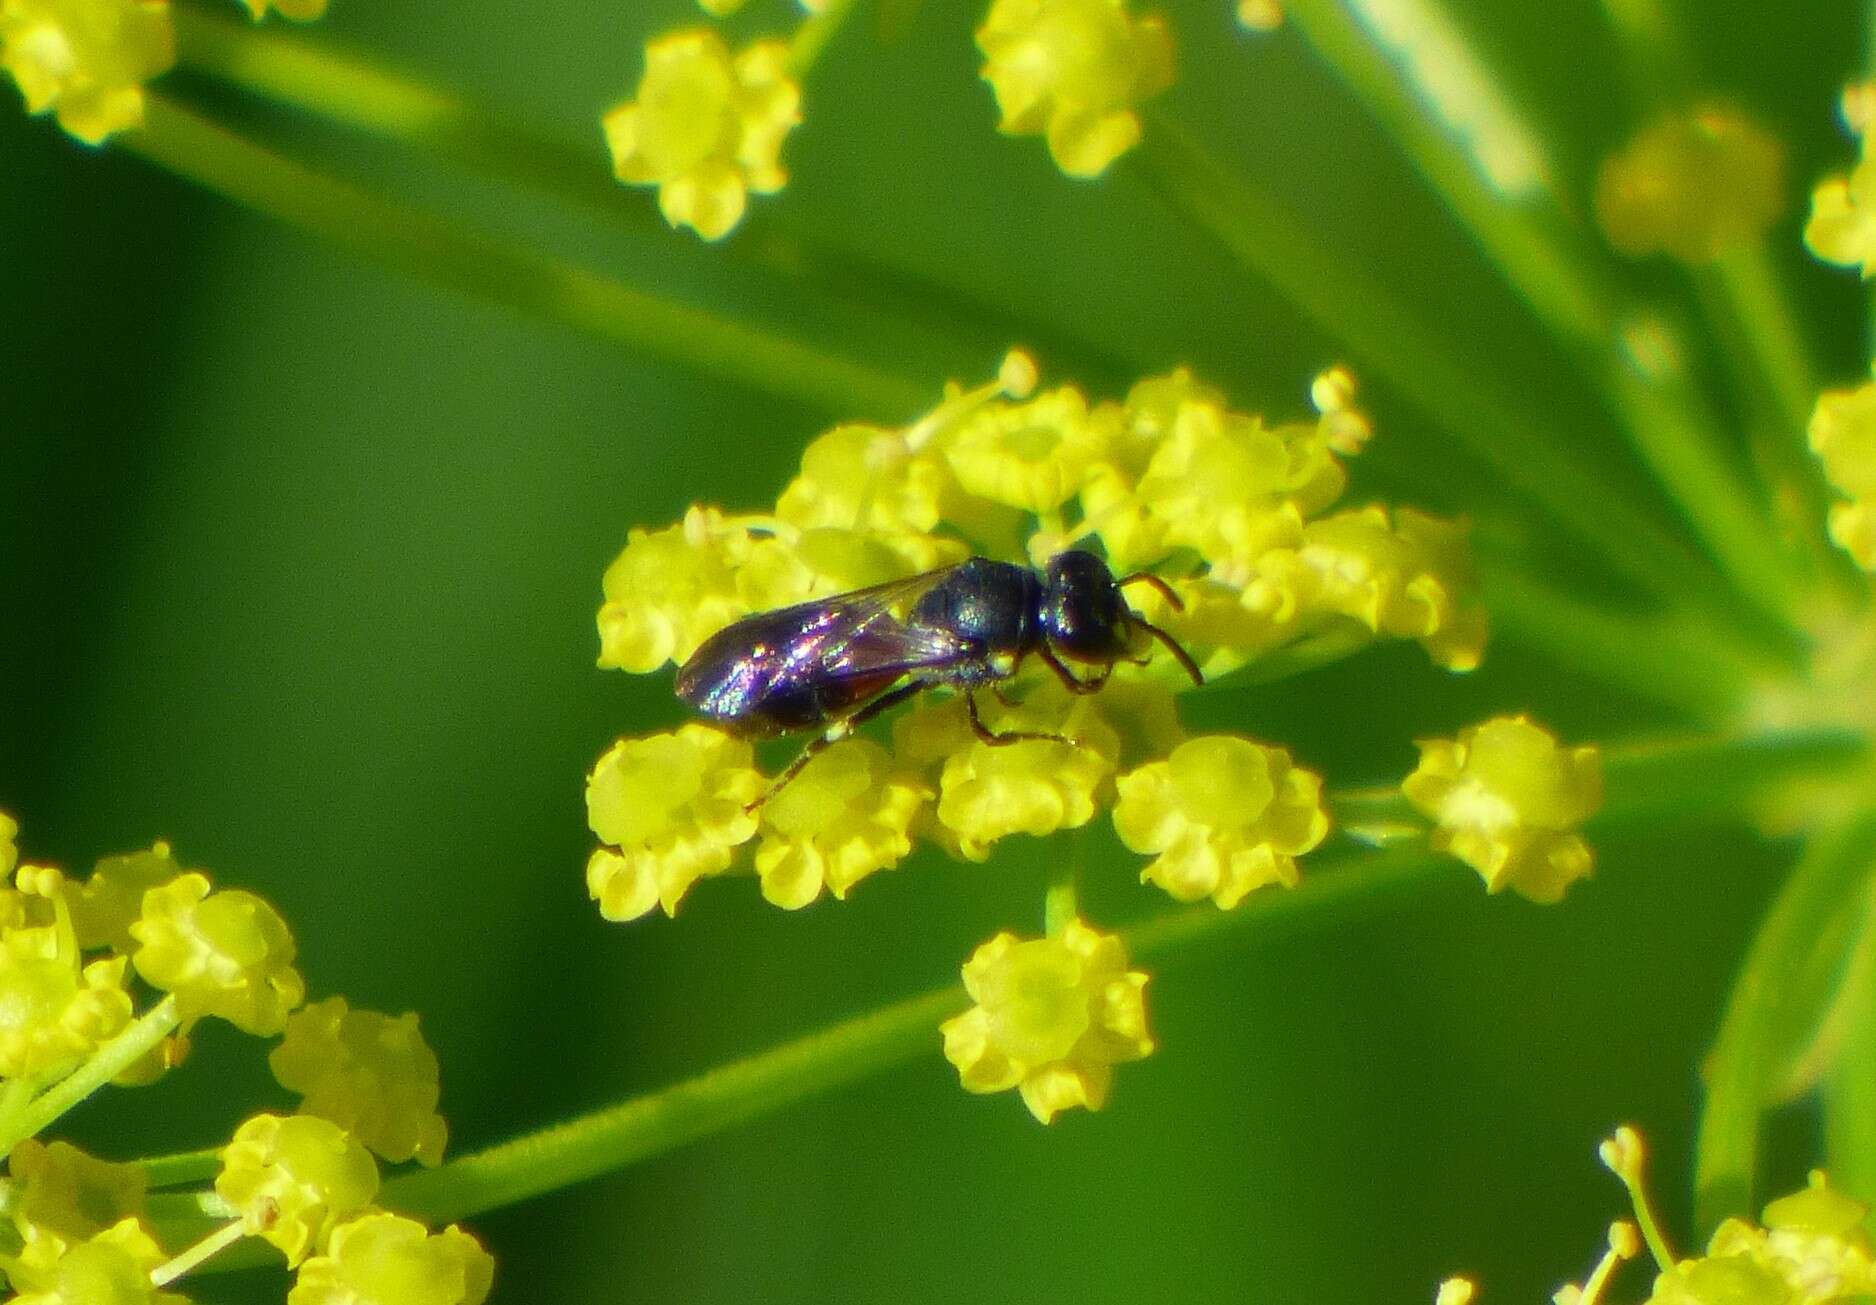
x: 844, y: 640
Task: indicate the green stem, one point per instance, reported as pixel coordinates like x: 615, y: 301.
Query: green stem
x: 1522, y: 231
x: 1783, y: 985
x: 105, y: 1064
x: 182, y: 1167
x: 1061, y: 901
x: 763, y: 1084
x: 1850, y: 1084
x: 1412, y: 355
x: 811, y: 38
x: 1648, y: 782
x: 463, y: 258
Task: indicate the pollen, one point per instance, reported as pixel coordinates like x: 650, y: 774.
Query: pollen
x: 1221, y: 816
x: 847, y: 815
x: 706, y: 127
x: 1074, y: 71
x: 86, y: 60
x: 1692, y: 184
x: 670, y: 809
x: 1506, y: 798
x: 1053, y: 1016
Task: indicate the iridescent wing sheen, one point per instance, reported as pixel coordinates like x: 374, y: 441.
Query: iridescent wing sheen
x: 834, y: 651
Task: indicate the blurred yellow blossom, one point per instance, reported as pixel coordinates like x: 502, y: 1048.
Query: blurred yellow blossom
x: 385, y: 1259
x: 86, y: 60
x: 1843, y: 435
x: 1857, y: 106
x: 1505, y: 798
x: 1842, y: 225
x: 225, y: 953
x: 1455, y: 1291
x: 300, y: 11
x: 371, y: 1074
x: 721, y: 8
x: 706, y: 127
x: 60, y: 1189
x: 671, y: 809
x: 1222, y: 815
x: 1260, y: 15
x: 847, y: 814
x: 1692, y: 184
x: 9, y: 844
x: 1074, y: 71
x: 111, y: 1267
x: 293, y: 1177
x: 1053, y: 1016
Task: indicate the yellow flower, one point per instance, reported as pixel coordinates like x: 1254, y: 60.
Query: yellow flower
x: 706, y: 127
x: 106, y: 904
x: 1407, y: 579
x: 1842, y: 226
x: 1843, y: 435
x: 1034, y: 455
x: 1053, y: 1017
x: 1260, y: 15
x: 86, y: 60
x: 300, y: 11
x: 9, y: 844
x: 292, y: 1178
x: 1813, y: 1240
x: 846, y: 815
x: 227, y: 954
x: 1504, y: 797
x: 55, y: 1008
x: 1692, y: 184
x: 865, y: 478
x: 1222, y: 815
x: 672, y: 589
x: 111, y: 1267
x: 1073, y: 71
x: 373, y: 1075
x: 1035, y: 786
x: 386, y: 1259
x: 60, y: 1189
x: 672, y: 808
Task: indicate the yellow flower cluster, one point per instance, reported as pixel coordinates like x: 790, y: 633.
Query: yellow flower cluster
x: 300, y: 11
x: 1842, y: 225
x: 1052, y: 1018
x: 1506, y: 798
x: 303, y: 1183
x: 86, y: 60
x: 706, y: 127
x: 1692, y: 184
x: 1239, y: 515
x: 1843, y: 435
x: 1073, y: 72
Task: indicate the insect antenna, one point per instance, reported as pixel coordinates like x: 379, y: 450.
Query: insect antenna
x: 1165, y: 590
x: 1183, y: 657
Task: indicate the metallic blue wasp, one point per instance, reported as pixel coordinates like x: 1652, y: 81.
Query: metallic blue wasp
x: 834, y: 663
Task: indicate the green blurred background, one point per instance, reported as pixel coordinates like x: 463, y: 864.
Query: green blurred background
x: 301, y: 560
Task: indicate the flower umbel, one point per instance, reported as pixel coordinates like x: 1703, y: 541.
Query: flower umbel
x: 1053, y: 1017
x: 373, y: 1075
x: 292, y: 1178
x: 86, y: 60
x: 386, y: 1259
x: 1505, y: 798
x: 224, y: 953
x: 1074, y: 71
x: 706, y: 127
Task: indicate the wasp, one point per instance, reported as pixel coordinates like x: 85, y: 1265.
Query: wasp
x: 834, y: 663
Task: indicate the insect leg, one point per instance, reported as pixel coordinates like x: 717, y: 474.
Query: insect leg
x: 838, y: 731
x: 1068, y: 678
x: 1152, y: 581
x: 997, y: 740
